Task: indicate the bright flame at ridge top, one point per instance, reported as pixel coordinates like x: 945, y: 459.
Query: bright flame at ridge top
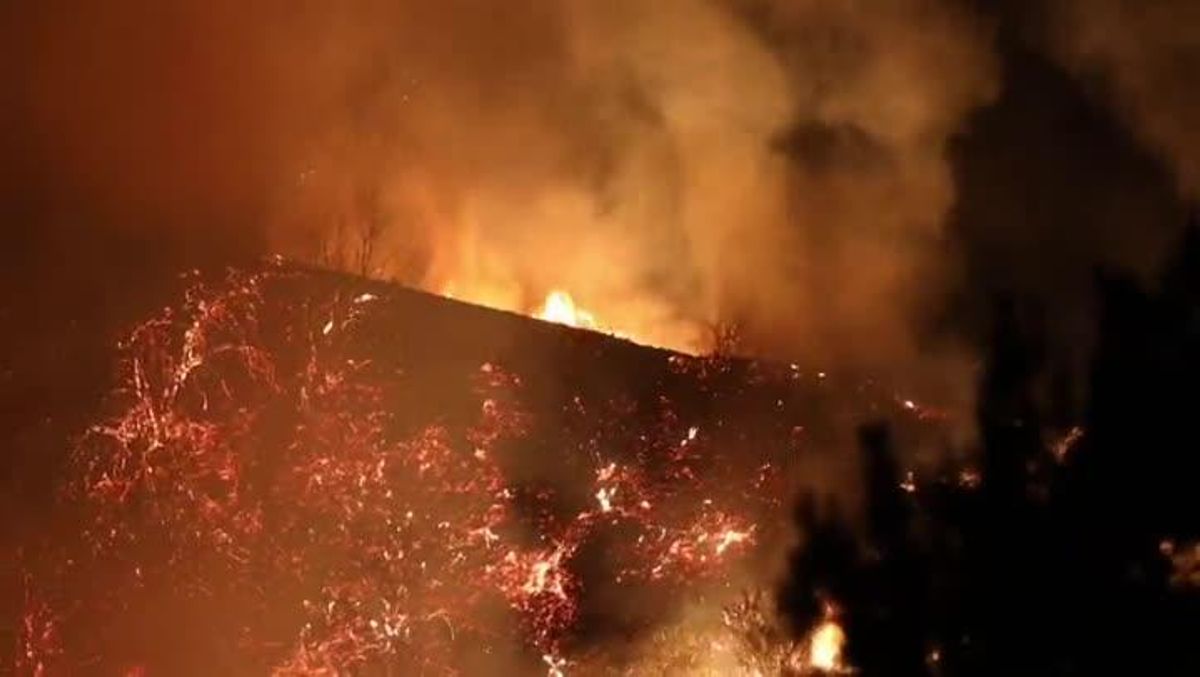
x: 645, y: 325
x: 560, y: 308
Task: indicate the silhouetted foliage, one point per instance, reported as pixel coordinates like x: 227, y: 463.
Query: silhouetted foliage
x: 1058, y: 561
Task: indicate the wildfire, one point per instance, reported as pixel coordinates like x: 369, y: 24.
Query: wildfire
x: 402, y: 534
x: 560, y: 308
x: 260, y: 448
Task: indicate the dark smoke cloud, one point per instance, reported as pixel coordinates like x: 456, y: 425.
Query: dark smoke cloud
x: 1146, y: 56
x: 1059, y: 178
x: 1038, y: 232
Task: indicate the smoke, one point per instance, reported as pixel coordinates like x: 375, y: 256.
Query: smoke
x: 879, y: 92
x: 1146, y: 55
x: 674, y: 165
x: 671, y: 165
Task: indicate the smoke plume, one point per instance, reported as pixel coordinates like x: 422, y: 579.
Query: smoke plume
x: 1145, y: 55
x: 674, y: 165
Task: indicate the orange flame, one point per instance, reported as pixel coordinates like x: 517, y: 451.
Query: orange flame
x: 825, y: 647
x: 822, y: 651
x: 636, y: 322
x: 560, y: 308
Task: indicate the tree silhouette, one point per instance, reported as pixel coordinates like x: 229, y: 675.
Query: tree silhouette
x: 1060, y: 561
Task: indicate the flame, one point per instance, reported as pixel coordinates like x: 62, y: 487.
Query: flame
x: 825, y: 646
x: 822, y: 651
x: 638, y: 322
x: 560, y: 308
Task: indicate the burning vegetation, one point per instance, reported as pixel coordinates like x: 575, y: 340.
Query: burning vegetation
x: 305, y: 473
x: 294, y: 478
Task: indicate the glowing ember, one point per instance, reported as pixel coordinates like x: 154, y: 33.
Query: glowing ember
x: 555, y: 666
x: 1065, y: 444
x: 730, y: 537
x: 969, y: 478
x: 258, y: 456
x: 1185, y: 563
x: 261, y: 459
x: 605, y: 497
x: 545, y: 574
x: 560, y: 308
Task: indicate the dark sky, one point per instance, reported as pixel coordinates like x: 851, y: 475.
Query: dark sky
x: 1053, y: 185
x: 115, y: 175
